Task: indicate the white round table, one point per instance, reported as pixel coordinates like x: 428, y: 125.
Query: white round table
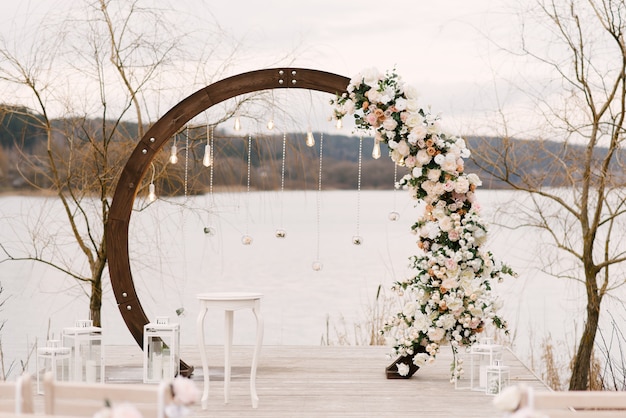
x: 229, y: 302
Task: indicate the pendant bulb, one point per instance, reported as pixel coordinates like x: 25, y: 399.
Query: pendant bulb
x: 376, y: 150
x: 151, y: 192
x: 310, y: 139
x: 206, y: 160
x: 173, y: 156
x: 237, y: 123
x: 270, y: 124
x: 339, y: 124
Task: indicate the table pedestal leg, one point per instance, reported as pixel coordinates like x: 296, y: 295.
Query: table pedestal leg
x: 203, y: 357
x: 257, y: 350
x: 228, y: 344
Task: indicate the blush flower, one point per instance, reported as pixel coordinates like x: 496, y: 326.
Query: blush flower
x: 448, y: 298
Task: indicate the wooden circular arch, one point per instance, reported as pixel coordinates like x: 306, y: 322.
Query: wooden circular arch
x: 154, y: 139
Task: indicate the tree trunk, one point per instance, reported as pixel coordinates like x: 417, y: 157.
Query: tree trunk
x: 95, y: 301
x: 582, y: 361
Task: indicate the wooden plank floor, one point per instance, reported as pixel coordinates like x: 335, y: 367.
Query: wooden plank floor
x: 324, y: 381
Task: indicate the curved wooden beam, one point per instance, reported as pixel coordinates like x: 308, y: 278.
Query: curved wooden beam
x: 142, y: 156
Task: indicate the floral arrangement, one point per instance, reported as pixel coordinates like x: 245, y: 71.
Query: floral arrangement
x: 184, y: 394
x: 449, y: 299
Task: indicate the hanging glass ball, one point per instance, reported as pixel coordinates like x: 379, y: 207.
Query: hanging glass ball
x: 209, y: 230
x: 281, y: 233
x: 317, y: 265
x: 246, y: 240
x: 357, y: 240
x: 394, y: 216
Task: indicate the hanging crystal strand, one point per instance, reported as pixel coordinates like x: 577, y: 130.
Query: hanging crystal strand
x: 209, y: 230
x: 393, y: 215
x: 247, y: 239
x: 317, y: 264
x: 186, y: 159
x: 357, y: 239
x: 280, y: 232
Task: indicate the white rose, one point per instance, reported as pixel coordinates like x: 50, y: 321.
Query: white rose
x: 400, y: 104
x: 410, y: 92
x: 449, y: 164
x: 409, y: 309
x: 436, y: 334
x: 403, y: 148
x: 433, y: 175
x: 356, y: 80
x: 421, y: 322
x: 417, y: 172
x: 474, y: 179
x: 422, y: 157
x: 372, y: 76
x: 373, y: 96
x: 412, y: 105
x: 420, y: 359
x: 414, y: 120
x: 461, y: 185
x: 440, y: 158
x: 390, y: 124
x: 445, y: 224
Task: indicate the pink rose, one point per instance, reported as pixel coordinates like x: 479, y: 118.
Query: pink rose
x: 371, y: 119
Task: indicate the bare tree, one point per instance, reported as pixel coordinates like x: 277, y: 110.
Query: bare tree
x: 578, y: 196
x: 103, y: 71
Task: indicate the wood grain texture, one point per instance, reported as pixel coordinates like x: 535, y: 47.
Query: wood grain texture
x: 323, y: 381
x: 154, y: 139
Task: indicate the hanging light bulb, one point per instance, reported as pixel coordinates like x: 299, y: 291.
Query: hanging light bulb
x: 376, y: 149
x: 206, y: 160
x: 310, y: 139
x: 270, y: 124
x: 151, y: 189
x: 151, y: 193
x: 246, y: 240
x: 317, y: 265
x: 237, y: 123
x: 339, y: 124
x: 173, y: 156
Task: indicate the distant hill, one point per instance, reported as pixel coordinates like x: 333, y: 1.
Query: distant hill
x: 22, y: 139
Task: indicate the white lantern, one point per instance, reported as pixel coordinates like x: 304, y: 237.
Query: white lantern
x: 482, y: 356
x: 497, y: 378
x: 87, y: 351
x: 161, y: 357
x: 52, y: 358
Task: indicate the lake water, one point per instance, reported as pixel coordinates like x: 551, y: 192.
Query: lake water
x: 173, y: 260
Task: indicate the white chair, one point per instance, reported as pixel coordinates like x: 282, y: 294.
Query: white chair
x: 561, y: 404
x: 85, y: 399
x: 17, y: 397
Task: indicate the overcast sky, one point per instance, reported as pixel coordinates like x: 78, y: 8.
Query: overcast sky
x: 442, y: 47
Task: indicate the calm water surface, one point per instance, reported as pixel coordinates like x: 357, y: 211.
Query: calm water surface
x: 173, y: 259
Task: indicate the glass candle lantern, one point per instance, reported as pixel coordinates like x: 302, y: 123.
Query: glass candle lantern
x: 161, y: 357
x: 482, y: 356
x: 87, y: 352
x: 497, y: 378
x: 52, y: 358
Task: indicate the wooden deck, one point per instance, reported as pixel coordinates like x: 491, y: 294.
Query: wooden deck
x: 324, y: 381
